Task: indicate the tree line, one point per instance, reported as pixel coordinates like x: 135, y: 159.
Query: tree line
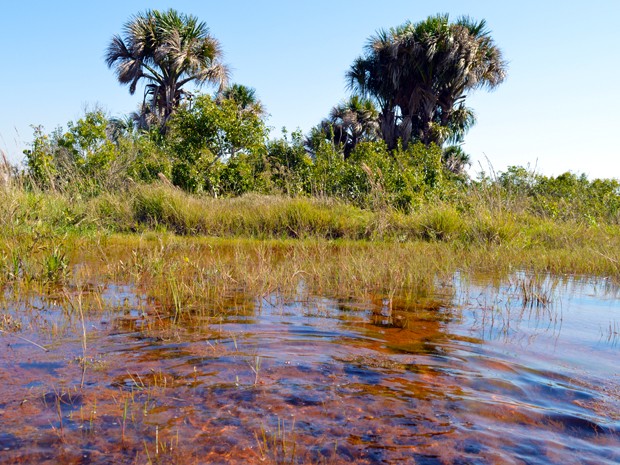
x: 397, y: 136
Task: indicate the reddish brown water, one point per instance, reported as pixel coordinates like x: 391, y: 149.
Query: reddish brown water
x: 469, y: 377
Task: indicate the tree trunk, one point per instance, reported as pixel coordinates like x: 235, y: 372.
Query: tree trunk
x: 387, y: 123
x: 405, y: 129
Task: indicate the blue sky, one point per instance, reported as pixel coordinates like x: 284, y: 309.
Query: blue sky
x: 557, y: 111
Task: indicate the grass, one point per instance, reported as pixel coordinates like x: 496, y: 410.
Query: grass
x: 534, y: 293
x: 185, y: 250
x: 187, y: 279
x: 476, y: 220
x: 278, y: 447
x: 613, y: 332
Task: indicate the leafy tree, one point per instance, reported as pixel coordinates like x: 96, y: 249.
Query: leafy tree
x: 208, y: 134
x: 87, y: 144
x: 167, y: 50
x: 375, y: 177
x: 92, y: 153
x: 288, y: 164
x: 145, y: 149
x: 40, y: 163
x: 419, y: 75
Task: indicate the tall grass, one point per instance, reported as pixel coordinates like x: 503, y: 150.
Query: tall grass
x: 491, y: 231
x: 159, y: 207
x: 251, y: 215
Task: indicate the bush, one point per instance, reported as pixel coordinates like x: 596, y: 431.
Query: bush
x: 86, y: 159
x: 207, y: 137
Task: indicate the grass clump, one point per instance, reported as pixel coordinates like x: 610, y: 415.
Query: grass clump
x: 443, y: 223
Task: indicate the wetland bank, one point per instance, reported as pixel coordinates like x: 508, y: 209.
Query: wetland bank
x: 141, y: 323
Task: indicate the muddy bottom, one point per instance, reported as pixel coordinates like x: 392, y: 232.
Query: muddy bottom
x: 469, y: 376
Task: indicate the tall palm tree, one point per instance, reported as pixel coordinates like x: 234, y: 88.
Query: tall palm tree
x: 455, y: 159
x: 419, y: 75
x: 167, y: 50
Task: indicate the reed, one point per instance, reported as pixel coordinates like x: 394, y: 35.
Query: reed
x: 534, y: 292
x: 278, y: 447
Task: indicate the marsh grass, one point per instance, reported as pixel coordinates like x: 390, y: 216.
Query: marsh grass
x: 197, y: 256
x: 278, y: 447
x: 535, y: 292
x: 478, y: 220
x: 186, y: 278
x: 55, y: 266
x: 160, y: 207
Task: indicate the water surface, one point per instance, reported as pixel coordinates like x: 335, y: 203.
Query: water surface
x: 473, y: 373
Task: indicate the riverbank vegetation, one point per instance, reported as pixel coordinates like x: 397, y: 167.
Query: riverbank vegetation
x: 483, y: 225
x: 386, y: 165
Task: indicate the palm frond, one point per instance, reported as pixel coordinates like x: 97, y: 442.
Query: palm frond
x: 167, y: 50
x: 420, y: 74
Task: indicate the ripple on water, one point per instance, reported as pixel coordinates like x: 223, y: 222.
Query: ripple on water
x: 343, y: 383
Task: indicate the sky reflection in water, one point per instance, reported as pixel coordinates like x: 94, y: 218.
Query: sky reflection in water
x: 471, y: 375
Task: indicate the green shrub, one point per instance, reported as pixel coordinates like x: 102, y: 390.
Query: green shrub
x: 215, y: 138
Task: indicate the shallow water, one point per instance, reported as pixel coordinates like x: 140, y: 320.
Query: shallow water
x: 471, y: 375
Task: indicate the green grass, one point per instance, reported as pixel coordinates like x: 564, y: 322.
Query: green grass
x: 184, y: 244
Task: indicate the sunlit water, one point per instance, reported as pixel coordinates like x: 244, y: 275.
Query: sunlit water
x: 474, y: 375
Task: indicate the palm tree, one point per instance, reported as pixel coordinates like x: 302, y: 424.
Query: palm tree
x: 455, y: 160
x: 245, y: 97
x: 167, y: 50
x: 419, y: 75
x: 349, y: 123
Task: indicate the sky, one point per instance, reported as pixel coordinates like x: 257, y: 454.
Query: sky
x: 557, y: 111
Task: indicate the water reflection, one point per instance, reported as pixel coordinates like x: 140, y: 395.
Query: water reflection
x: 466, y: 373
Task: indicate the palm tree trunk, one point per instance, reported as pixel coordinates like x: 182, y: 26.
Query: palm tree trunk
x: 388, y: 127
x: 405, y: 128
